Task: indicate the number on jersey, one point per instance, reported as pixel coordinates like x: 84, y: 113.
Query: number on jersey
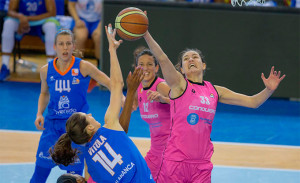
x: 105, y: 162
x: 60, y: 85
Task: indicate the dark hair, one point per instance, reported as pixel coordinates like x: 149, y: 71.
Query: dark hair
x: 140, y: 51
x: 64, y: 31
x: 178, y: 66
x: 62, y: 153
x: 66, y: 178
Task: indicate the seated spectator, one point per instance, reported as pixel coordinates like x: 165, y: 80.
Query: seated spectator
x: 65, y: 21
x: 4, y: 5
x: 31, y: 17
x: 86, y: 23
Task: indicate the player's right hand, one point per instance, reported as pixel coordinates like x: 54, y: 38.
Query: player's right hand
x: 39, y: 122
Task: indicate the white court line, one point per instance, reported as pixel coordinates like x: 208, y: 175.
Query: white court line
x: 256, y: 168
x: 215, y: 166
x: 214, y: 142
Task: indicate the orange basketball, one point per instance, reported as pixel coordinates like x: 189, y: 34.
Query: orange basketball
x: 131, y: 23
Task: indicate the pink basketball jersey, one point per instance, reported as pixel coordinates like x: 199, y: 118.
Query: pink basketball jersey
x: 192, y: 115
x: 157, y: 115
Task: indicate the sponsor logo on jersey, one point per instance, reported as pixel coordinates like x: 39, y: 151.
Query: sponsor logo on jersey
x: 75, y: 72
x: 212, y: 95
x: 75, y: 81
x: 192, y: 118
x: 51, y: 78
x: 204, y: 109
x: 151, y: 116
x: 63, y: 103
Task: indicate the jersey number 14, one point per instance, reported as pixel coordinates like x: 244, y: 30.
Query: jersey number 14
x: 105, y: 162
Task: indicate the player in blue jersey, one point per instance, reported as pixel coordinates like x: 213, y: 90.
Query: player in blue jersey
x: 33, y: 17
x: 64, y: 83
x: 133, y: 81
x: 109, y: 153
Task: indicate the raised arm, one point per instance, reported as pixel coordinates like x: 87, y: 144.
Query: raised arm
x: 173, y: 78
x: 133, y: 81
x: 112, y: 114
x: 229, y: 97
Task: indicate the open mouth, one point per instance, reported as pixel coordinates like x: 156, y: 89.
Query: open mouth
x: 192, y: 65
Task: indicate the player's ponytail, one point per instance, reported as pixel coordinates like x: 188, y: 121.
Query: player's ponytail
x: 62, y: 153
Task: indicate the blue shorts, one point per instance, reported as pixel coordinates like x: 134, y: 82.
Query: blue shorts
x: 91, y: 26
x: 53, y: 130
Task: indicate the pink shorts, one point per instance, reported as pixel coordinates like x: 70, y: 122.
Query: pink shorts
x: 153, y: 163
x: 179, y: 172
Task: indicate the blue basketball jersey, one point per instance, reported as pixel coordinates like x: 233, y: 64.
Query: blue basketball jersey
x: 67, y: 90
x: 111, y: 156
x: 32, y: 7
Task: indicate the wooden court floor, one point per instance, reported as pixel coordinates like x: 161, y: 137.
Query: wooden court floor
x: 18, y: 147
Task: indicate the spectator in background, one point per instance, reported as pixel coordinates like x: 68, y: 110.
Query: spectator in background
x: 28, y: 17
x: 292, y: 3
x: 64, y: 19
x: 86, y: 23
x: 4, y: 5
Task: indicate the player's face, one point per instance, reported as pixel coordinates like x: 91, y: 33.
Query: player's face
x: 192, y: 63
x: 91, y: 120
x: 64, y: 47
x: 148, y: 64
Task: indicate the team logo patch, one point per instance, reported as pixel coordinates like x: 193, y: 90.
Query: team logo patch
x: 51, y: 78
x: 192, y: 118
x: 212, y: 95
x: 193, y: 91
x: 63, y: 102
x: 75, y: 72
x: 141, y: 90
x: 75, y: 81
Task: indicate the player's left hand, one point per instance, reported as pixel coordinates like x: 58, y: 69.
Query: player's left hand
x: 273, y: 80
x: 154, y: 95
x: 111, y: 34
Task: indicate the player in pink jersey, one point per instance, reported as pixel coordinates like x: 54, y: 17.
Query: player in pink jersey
x: 193, y: 103
x: 153, y: 102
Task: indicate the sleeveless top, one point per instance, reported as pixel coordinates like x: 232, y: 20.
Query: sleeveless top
x: 192, y: 115
x: 67, y: 90
x: 111, y: 156
x: 32, y: 7
x: 157, y: 115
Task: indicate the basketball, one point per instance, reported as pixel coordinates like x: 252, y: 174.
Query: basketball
x: 131, y: 23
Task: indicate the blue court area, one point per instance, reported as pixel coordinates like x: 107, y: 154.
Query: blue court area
x: 220, y: 174
x: 277, y: 122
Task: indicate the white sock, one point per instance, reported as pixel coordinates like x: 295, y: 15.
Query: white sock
x: 49, y: 29
x: 5, y: 60
x: 10, y: 26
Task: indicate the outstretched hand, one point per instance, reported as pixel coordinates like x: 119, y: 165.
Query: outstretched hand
x: 111, y: 34
x: 273, y: 80
x: 133, y: 80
